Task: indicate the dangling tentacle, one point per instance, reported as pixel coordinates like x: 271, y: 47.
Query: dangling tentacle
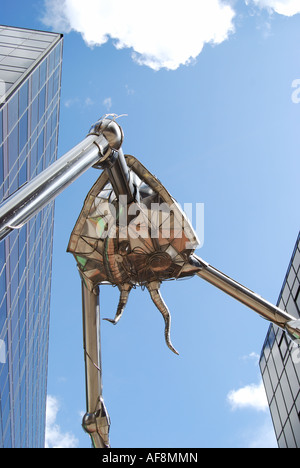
x: 125, y: 290
x: 156, y: 297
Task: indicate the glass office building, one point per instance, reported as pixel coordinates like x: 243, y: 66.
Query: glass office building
x: 280, y: 363
x: 30, y: 76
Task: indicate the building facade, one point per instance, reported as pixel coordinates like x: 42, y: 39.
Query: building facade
x: 280, y: 363
x: 30, y: 79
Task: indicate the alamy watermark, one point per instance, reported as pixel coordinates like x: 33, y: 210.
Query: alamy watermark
x: 296, y: 352
x: 155, y: 221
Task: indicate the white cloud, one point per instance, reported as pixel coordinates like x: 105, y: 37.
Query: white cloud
x: 282, y: 7
x: 254, y: 397
x: 82, y: 103
x: 71, y: 102
x: 263, y: 437
x: 107, y: 103
x: 251, y: 396
x: 55, y: 437
x: 252, y: 356
x: 161, y: 34
x: 88, y: 102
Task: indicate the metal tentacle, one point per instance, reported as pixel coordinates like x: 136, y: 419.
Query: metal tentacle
x: 156, y: 297
x: 125, y: 291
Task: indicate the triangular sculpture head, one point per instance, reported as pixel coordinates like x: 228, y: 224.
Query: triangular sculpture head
x: 137, y: 243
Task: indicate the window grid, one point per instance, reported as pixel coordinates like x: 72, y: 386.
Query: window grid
x: 51, y: 110
x: 28, y: 128
x: 44, y: 301
x: 280, y: 372
x: 31, y: 257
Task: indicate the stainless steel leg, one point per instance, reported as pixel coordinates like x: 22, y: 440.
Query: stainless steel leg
x: 96, y: 421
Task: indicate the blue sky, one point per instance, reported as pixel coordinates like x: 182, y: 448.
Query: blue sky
x: 212, y: 97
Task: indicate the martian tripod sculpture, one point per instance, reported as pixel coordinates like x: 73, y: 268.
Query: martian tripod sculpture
x: 130, y: 232
x: 122, y: 238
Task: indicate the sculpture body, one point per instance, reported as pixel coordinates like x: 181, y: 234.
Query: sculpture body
x: 140, y: 243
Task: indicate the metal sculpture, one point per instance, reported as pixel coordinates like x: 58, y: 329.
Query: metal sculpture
x: 130, y: 233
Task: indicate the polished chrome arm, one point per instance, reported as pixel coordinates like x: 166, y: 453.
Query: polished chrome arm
x: 101, y: 148
x: 255, y: 302
x: 30, y: 199
x: 96, y: 421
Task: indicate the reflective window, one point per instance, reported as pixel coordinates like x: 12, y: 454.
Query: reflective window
x: 5, y: 403
x: 281, y: 404
x: 33, y: 160
x: 22, y: 254
x: 13, y: 147
x: 48, y: 130
x: 13, y: 112
x: 272, y: 372
x: 34, y: 113
x: 298, y: 300
x: 23, y: 131
x: 289, y: 436
x: 285, y: 293
x: 42, y: 97
x: 50, y: 90
x: 277, y: 360
x: 283, y: 346
x: 40, y: 151
x: 296, y: 261
x: 271, y: 338
x: 295, y: 424
x: 56, y: 79
x: 2, y: 257
x: 282, y: 442
x: 291, y: 277
x: 35, y: 82
x: 291, y: 307
x: 298, y: 405
x: 43, y: 73
x: 23, y: 172
x: 47, y: 155
x: 295, y: 290
x: 3, y: 302
x: 275, y: 417
x: 1, y: 172
x: 268, y: 385
x: 57, y: 55
x: 13, y: 152
x: 51, y: 60
x: 1, y: 132
x: 54, y: 117
x: 288, y: 397
x: 23, y: 97
x: 292, y: 376
x: 2, y: 285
